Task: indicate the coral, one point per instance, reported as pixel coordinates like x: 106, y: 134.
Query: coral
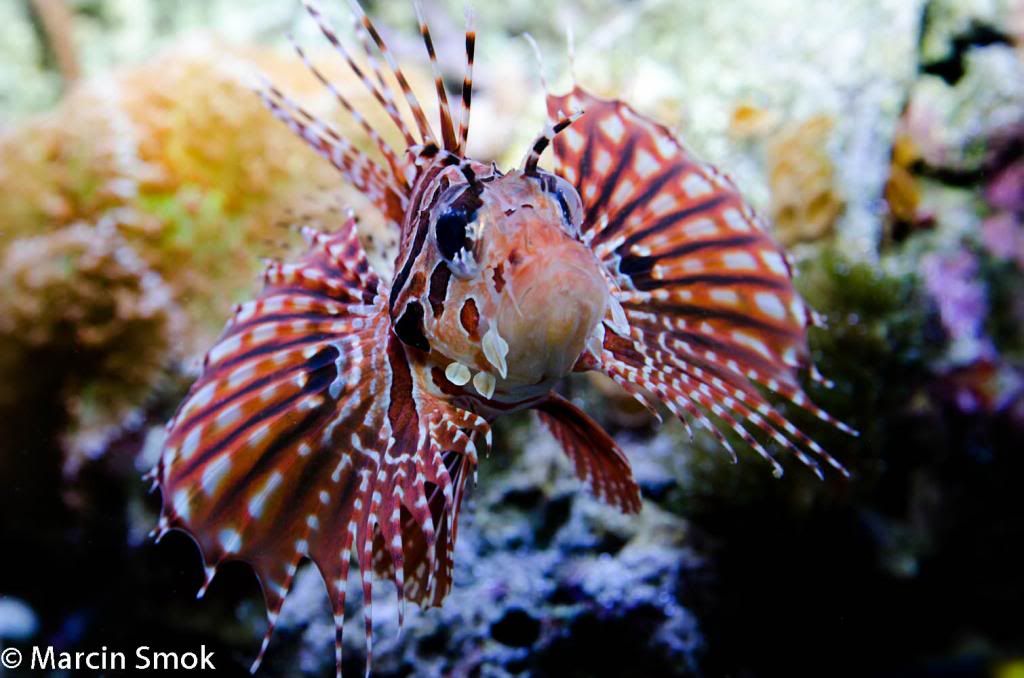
x: 84, y: 324
x: 222, y: 173
x: 1003, y: 237
x: 175, y: 161
x: 953, y: 283
x: 901, y: 191
x: 1015, y: 23
x: 1005, y: 170
x: 805, y: 198
x: 875, y: 323
x: 904, y: 193
x: 750, y: 122
x: 983, y: 387
x: 962, y: 116
x: 72, y: 164
x: 182, y: 158
x: 954, y: 26
x: 200, y: 124
x: 1003, y: 230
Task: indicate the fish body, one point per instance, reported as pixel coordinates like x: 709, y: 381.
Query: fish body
x: 340, y: 414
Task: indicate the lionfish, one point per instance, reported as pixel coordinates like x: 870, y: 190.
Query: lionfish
x: 340, y: 413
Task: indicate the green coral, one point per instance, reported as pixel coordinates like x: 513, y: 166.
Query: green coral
x: 85, y: 327
x: 876, y: 323
x: 181, y: 159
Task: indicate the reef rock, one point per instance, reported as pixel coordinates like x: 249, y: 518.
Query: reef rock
x: 547, y: 581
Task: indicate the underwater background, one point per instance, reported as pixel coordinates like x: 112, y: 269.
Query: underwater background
x: 142, y: 185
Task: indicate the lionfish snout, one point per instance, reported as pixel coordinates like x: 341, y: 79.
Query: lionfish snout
x: 554, y: 298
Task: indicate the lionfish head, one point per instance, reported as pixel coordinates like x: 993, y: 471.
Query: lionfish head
x: 509, y: 288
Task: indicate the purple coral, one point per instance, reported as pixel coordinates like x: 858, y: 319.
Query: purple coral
x: 1003, y: 232
x: 951, y: 280
x: 1003, y: 237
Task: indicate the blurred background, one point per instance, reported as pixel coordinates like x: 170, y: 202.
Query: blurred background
x: 142, y: 184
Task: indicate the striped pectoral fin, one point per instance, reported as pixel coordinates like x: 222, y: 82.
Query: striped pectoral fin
x: 449, y: 451
x: 596, y: 458
x: 287, y: 448
x: 428, y: 533
x: 709, y: 311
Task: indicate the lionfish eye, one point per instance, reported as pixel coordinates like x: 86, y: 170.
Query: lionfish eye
x: 457, y: 233
x: 451, y: 233
x: 563, y: 204
x: 567, y: 199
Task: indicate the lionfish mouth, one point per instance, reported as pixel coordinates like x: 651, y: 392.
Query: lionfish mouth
x: 551, y: 307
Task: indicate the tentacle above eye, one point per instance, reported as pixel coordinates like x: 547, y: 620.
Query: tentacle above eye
x: 541, y: 143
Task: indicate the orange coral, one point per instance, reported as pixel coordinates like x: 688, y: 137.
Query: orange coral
x: 751, y: 122
x: 148, y: 197
x: 902, y: 193
x: 805, y: 200
x: 85, y: 325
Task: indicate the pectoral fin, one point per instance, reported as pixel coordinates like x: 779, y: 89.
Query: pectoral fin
x: 597, y: 459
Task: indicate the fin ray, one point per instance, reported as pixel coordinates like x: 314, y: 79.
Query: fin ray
x: 707, y: 294
x: 598, y: 461
x: 285, y: 449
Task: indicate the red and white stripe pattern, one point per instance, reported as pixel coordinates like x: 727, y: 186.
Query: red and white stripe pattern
x: 307, y: 436
x: 597, y: 460
x: 710, y: 312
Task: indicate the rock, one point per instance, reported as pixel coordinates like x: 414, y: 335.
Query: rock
x: 962, y: 116
x: 546, y: 580
x: 516, y: 628
x: 953, y: 26
x: 789, y: 59
x: 17, y: 620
